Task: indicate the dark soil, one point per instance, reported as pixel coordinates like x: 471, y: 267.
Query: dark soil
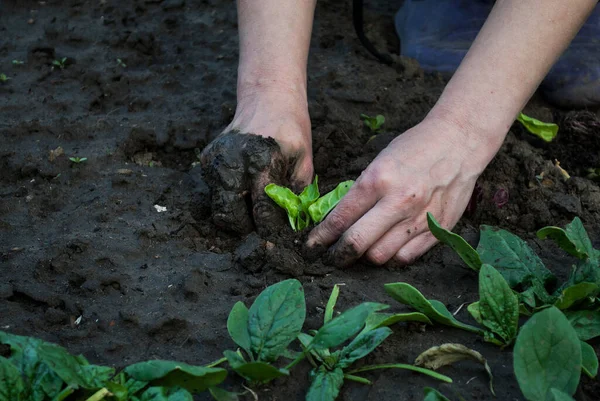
x: 86, y: 240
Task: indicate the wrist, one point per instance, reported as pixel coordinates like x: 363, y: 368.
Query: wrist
x: 289, y: 83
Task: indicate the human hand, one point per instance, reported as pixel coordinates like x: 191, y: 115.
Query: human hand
x: 269, y: 140
x: 433, y: 168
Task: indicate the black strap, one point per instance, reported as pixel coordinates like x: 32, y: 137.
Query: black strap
x: 358, y: 20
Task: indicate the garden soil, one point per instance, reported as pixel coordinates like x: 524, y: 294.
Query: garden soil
x: 87, y: 258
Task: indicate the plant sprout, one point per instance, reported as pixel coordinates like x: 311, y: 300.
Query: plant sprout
x: 59, y: 63
x: 121, y: 63
x: 78, y: 160
x: 3, y: 78
x: 374, y: 123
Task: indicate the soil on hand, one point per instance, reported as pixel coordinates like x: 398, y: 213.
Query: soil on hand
x: 91, y: 259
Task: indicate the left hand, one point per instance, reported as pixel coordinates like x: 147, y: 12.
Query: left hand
x: 433, y: 168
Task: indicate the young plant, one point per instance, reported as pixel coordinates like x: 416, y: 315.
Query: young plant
x: 18, y: 62
x: 121, y: 63
x: 3, y: 78
x: 331, y: 368
x: 77, y: 160
x: 374, y: 123
x: 308, y: 207
x: 545, y: 131
x: 60, y: 63
x: 37, y: 370
x: 265, y: 331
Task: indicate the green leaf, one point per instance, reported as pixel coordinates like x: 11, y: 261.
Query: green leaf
x: 587, y: 271
x: 547, y: 355
x: 432, y: 394
x: 434, y: 310
x: 456, y: 242
x: 237, y: 326
x: 331, y: 304
x: 575, y: 293
x: 474, y: 311
x: 325, y: 385
x: 118, y: 391
x: 310, y: 194
x: 585, y: 323
x: 573, y: 239
x: 405, y: 366
x: 275, y: 319
x: 286, y: 199
x: 166, y: 394
x: 514, y: 259
x: 446, y: 354
x: 545, y: 131
x: 377, y: 320
x: 170, y: 373
x: 12, y: 387
x: 362, y: 346
x: 223, y: 395
x: 327, y: 202
x: 498, y: 306
x: 558, y: 395
x: 589, y: 360
x: 260, y: 372
x: 320, y: 354
x: 345, y: 326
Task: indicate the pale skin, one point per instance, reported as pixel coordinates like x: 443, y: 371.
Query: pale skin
x: 433, y: 166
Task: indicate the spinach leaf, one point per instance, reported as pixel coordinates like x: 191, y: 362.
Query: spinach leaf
x: 585, y: 323
x: 405, y: 366
x: 575, y: 293
x: 374, y: 123
x: 288, y: 200
x: 498, y: 305
x: 344, y: 326
x: 331, y: 303
x: 432, y: 394
x: 545, y: 131
x: 325, y: 385
x: 166, y: 394
x: 573, y: 239
x: 223, y: 395
x: 325, y: 204
x: 589, y: 360
x: 558, y: 395
x: 377, y: 320
x: 237, y: 326
x: 259, y: 372
x: 275, y: 319
x: 456, y: 242
x: 586, y: 271
x: 170, y: 373
x: 434, y: 310
x: 310, y: 194
x: 547, y: 355
x: 515, y: 260
x: 12, y: 387
x: 362, y: 346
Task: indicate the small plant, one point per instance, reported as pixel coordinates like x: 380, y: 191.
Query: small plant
x: 307, y: 207
x: 331, y: 368
x: 61, y: 63
x: 78, y: 160
x: 121, y: 63
x: 265, y: 331
x: 545, y: 131
x: 374, y: 123
x: 3, y: 78
x: 18, y: 62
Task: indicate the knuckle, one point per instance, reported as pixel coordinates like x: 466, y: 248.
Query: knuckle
x: 335, y: 223
x: 377, y: 256
x: 404, y: 258
x: 355, y: 240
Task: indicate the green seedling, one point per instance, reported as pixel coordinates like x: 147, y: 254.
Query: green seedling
x: 308, y: 207
x: 3, y: 78
x: 121, y: 63
x: 374, y: 123
x: 432, y: 394
x: 37, y: 370
x: 545, y: 131
x: 265, y: 331
x: 18, y: 62
x: 332, y: 367
x: 77, y: 160
x: 61, y: 63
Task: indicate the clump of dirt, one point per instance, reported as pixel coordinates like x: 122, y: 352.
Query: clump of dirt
x: 121, y: 257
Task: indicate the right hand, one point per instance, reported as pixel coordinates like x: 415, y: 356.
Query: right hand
x: 238, y: 164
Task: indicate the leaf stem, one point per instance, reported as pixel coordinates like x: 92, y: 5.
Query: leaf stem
x: 298, y: 359
x: 99, y: 395
x: 216, y: 363
x: 428, y: 372
x: 357, y: 379
x: 65, y: 393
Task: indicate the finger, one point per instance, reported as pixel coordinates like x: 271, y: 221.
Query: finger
x: 356, y: 203
x: 367, y: 231
x: 303, y: 174
x: 393, y: 240
x: 415, y: 248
